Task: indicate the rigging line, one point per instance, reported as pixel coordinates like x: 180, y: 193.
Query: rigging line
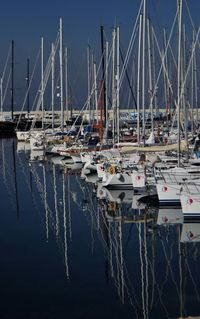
x: 28, y: 90
x: 187, y: 72
x: 93, y: 88
x: 128, y: 79
x: 191, y: 20
x: 131, y: 42
x: 43, y: 85
x: 6, y: 88
x: 163, y: 57
x: 160, y: 70
x: 5, y: 67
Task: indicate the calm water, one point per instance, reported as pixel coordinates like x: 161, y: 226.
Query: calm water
x: 66, y: 253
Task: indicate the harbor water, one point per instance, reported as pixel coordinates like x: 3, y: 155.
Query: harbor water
x: 68, y: 250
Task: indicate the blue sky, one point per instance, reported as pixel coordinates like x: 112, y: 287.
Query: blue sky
x: 26, y: 21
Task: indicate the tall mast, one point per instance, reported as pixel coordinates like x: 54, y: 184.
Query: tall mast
x: 138, y: 81
x: 95, y: 93
x: 61, y: 74
x: 42, y: 80
x: 106, y: 80
x: 103, y: 75
x: 12, y: 80
x: 150, y: 75
x: 88, y: 82
x: 117, y: 90
x: 52, y: 81
x: 185, y: 107
x: 154, y: 70
x: 113, y: 83
x: 27, y: 86
x: 192, y: 84
x: 180, y: 3
x: 143, y: 66
x: 66, y: 79
x: 196, y: 88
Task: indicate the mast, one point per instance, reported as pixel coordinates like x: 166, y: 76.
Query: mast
x: 103, y: 75
x: 143, y: 66
x: 12, y: 80
x: 106, y: 80
x: 138, y: 82
x: 154, y: 70
x: 113, y: 83
x: 88, y: 81
x: 42, y: 80
x: 150, y: 75
x: 196, y: 88
x: 61, y: 75
x: 165, y: 62
x: 180, y: 3
x: 167, y: 89
x: 52, y: 81
x: 66, y: 84
x: 27, y: 86
x: 185, y: 108
x: 95, y: 93
x: 117, y: 89
x: 192, y: 84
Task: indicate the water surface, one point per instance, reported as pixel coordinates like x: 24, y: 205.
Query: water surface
x: 66, y: 253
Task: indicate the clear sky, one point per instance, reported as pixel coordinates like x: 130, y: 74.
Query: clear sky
x: 26, y: 21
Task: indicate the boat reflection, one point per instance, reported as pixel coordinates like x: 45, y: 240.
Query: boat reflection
x: 146, y: 260
x: 169, y: 215
x: 190, y: 232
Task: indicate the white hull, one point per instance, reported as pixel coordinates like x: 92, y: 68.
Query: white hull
x: 118, y: 180
x: 190, y: 205
x: 23, y: 136
x: 100, y: 170
x: 76, y: 158
x: 138, y: 180
x: 168, y: 194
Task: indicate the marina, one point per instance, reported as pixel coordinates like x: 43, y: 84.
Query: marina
x: 100, y: 192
